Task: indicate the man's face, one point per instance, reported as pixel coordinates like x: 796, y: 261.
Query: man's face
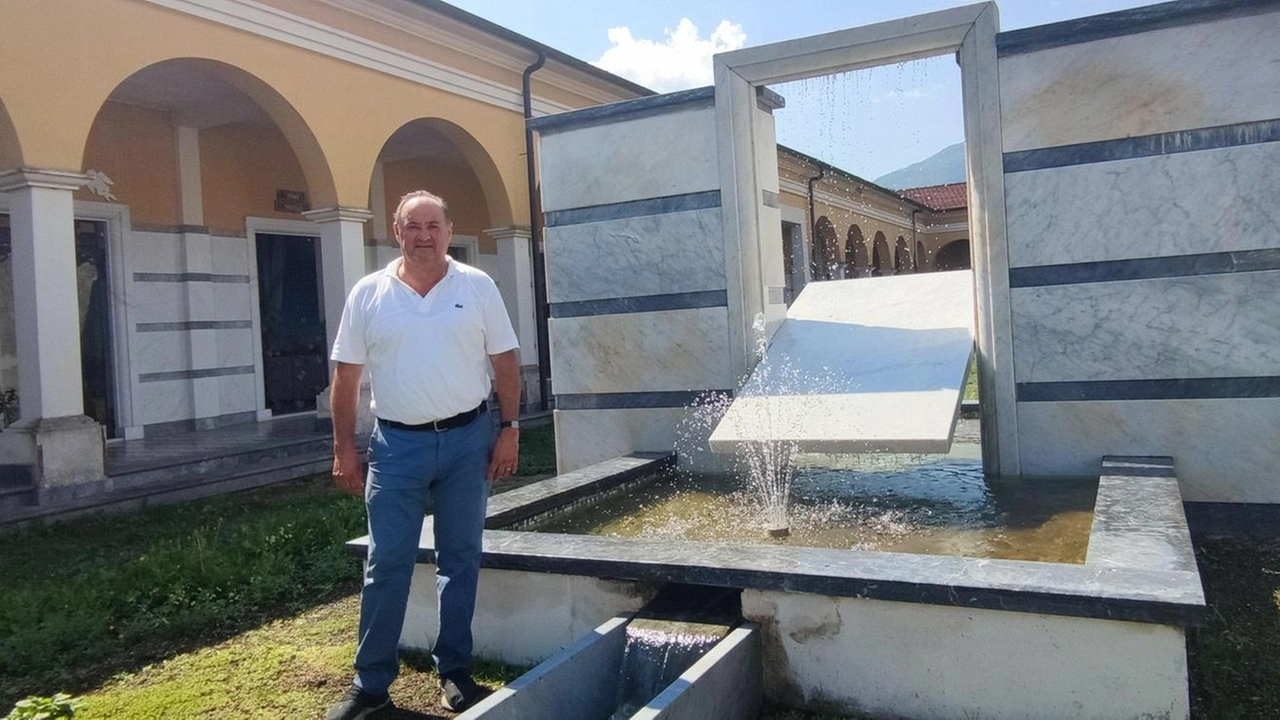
x: 423, y: 232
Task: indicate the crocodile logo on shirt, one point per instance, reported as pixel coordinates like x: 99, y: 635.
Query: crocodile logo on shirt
x: 457, y: 305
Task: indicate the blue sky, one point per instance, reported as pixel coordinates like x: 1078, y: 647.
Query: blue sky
x: 869, y: 122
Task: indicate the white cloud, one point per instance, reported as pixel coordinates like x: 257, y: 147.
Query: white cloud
x: 680, y: 62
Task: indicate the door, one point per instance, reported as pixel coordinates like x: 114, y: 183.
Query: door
x: 96, y: 366
x: 294, y: 345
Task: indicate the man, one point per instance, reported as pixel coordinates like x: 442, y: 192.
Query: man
x: 427, y: 327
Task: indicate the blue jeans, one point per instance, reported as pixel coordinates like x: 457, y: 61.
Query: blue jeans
x: 410, y: 471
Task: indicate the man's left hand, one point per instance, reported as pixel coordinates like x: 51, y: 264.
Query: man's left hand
x: 506, y: 455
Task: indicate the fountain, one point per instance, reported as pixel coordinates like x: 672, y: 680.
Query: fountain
x: 1099, y: 356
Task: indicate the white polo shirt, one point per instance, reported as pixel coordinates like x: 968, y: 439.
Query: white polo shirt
x: 428, y: 357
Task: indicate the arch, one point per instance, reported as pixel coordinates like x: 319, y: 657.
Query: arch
x: 920, y: 258
x: 10, y: 150
x: 825, y: 250
x: 953, y: 256
x: 855, y: 253
x: 150, y: 80
x: 879, y: 254
x: 901, y: 256
x: 440, y: 143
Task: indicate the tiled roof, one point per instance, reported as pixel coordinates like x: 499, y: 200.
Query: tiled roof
x: 951, y: 196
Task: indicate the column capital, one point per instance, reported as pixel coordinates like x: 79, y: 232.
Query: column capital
x: 506, y: 233
x: 24, y: 177
x: 331, y: 214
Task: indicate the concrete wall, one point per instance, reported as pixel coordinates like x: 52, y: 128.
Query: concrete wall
x: 636, y: 273
x: 1141, y: 167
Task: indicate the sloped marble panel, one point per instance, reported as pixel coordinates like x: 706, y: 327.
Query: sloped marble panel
x: 1190, y: 327
x: 1224, y: 450
x: 651, y: 255
x: 641, y: 352
x: 646, y: 157
x: 1202, y: 75
x: 1197, y: 202
x: 868, y: 365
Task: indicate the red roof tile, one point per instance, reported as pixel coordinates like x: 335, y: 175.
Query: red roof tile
x: 951, y: 196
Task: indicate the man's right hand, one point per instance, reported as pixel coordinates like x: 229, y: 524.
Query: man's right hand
x: 346, y: 471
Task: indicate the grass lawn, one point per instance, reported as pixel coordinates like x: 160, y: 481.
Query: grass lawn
x: 245, y: 606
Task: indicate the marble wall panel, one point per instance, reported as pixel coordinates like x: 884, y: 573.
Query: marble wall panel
x: 652, y: 255
x: 162, y: 351
x: 163, y: 401
x: 153, y: 252
x: 1197, y: 202
x: 150, y: 302
x: 641, y: 352
x: 586, y: 437
x: 1189, y: 327
x: 1225, y: 450
x: 644, y: 157
x: 237, y: 393
x: 229, y: 256
x: 1194, y: 76
x: 231, y: 301
x: 234, y: 346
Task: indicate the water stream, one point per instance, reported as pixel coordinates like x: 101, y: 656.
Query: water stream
x: 657, y: 653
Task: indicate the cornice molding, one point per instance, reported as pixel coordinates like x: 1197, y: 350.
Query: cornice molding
x: 331, y: 214
x: 504, y: 233
x: 25, y: 177
x: 263, y: 20
x: 836, y: 201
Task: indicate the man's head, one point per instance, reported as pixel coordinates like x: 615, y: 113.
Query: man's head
x: 423, y: 228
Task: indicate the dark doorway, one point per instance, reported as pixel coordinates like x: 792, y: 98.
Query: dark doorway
x: 294, y: 359
x: 96, y: 359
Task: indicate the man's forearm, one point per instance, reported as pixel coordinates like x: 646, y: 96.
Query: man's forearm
x: 344, y: 395
x: 506, y: 373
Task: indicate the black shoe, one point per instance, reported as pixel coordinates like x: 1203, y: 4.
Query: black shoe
x: 458, y: 691
x: 357, y: 705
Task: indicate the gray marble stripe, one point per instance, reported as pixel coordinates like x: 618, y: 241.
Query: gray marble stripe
x: 195, y: 325
x: 644, y: 303
x: 1126, y: 22
x: 636, y: 400
x: 623, y: 110
x: 195, y: 374
x: 1176, y: 389
x: 1210, y: 138
x: 1238, y: 261
x: 635, y: 208
x: 189, y: 277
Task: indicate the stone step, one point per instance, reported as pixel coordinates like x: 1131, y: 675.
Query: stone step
x: 231, y: 463
x: 17, y: 496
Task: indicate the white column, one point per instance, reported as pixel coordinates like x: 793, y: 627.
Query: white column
x: 342, y: 257
x: 46, y: 304
x: 515, y: 279
x: 53, y: 436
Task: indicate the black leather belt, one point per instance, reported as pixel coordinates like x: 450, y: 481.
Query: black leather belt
x: 448, y: 423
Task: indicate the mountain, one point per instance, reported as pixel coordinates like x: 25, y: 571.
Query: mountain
x: 944, y: 166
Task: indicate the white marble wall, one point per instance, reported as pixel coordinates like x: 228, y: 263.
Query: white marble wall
x: 1204, y: 326
x: 649, y: 255
x: 1200, y: 75
x: 1198, y: 202
x: 1225, y: 449
x: 586, y: 437
x: 641, y: 352
x: 655, y: 156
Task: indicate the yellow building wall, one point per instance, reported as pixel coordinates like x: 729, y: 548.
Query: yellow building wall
x: 137, y: 149
x: 241, y: 167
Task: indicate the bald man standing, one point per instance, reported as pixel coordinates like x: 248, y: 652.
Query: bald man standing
x: 428, y: 328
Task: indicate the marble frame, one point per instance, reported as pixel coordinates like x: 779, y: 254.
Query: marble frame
x: 269, y: 226
x: 970, y: 32
x: 116, y: 216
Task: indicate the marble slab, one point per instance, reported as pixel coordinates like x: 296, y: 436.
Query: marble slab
x: 639, y: 352
x: 866, y: 365
x: 656, y: 254
x: 1209, y: 326
x: 1225, y: 449
x: 1195, y: 76
x: 587, y: 437
x: 1187, y: 203
x: 649, y: 157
